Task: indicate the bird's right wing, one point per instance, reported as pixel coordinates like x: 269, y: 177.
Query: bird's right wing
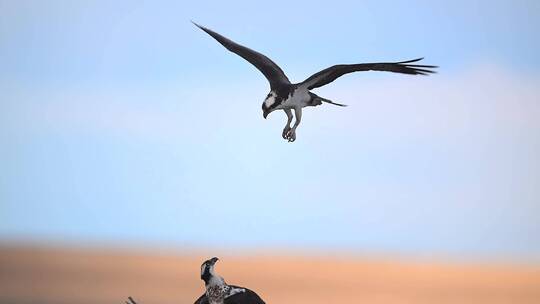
x: 332, y: 73
x: 273, y: 73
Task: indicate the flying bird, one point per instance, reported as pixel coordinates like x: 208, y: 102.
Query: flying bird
x: 219, y: 292
x: 290, y: 97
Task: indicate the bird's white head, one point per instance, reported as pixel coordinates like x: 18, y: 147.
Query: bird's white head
x: 269, y: 104
x: 208, y: 274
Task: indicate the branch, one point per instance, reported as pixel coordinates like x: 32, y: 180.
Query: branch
x: 131, y: 301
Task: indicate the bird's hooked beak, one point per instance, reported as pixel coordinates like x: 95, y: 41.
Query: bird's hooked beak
x: 213, y: 260
x: 207, y: 269
x: 265, y: 113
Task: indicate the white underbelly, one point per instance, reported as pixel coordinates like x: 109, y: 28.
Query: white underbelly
x: 298, y: 99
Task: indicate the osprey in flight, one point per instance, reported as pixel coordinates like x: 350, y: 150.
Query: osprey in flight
x: 219, y: 292
x: 287, y: 96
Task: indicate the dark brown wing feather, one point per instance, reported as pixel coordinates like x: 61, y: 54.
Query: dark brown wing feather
x: 202, y: 299
x: 330, y: 74
x: 270, y: 69
x: 247, y: 297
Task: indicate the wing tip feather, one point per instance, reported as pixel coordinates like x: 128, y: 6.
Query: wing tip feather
x: 196, y: 24
x: 418, y: 69
x: 410, y: 61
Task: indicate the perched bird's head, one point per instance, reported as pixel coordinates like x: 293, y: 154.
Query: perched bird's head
x: 270, y: 103
x: 207, y: 269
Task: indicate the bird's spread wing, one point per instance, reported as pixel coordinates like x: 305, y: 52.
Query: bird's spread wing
x: 270, y: 69
x: 330, y: 74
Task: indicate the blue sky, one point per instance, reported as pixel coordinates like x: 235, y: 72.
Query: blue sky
x: 122, y: 123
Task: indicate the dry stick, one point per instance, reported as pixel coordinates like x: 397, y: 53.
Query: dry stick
x: 131, y: 301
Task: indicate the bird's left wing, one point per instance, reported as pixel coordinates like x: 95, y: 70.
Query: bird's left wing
x: 273, y: 73
x: 330, y: 74
x: 202, y: 299
x: 246, y: 297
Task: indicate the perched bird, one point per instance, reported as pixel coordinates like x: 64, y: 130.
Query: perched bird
x: 219, y: 292
x: 289, y: 97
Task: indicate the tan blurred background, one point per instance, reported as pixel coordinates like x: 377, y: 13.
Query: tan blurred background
x: 124, y: 128
x: 85, y: 276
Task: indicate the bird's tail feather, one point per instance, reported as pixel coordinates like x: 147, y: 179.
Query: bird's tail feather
x: 318, y: 100
x: 331, y: 102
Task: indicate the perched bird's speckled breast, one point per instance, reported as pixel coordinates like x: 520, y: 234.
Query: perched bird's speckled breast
x: 216, y: 294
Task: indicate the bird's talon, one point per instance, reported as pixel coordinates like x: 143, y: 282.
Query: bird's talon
x: 291, y: 135
x: 285, y: 133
